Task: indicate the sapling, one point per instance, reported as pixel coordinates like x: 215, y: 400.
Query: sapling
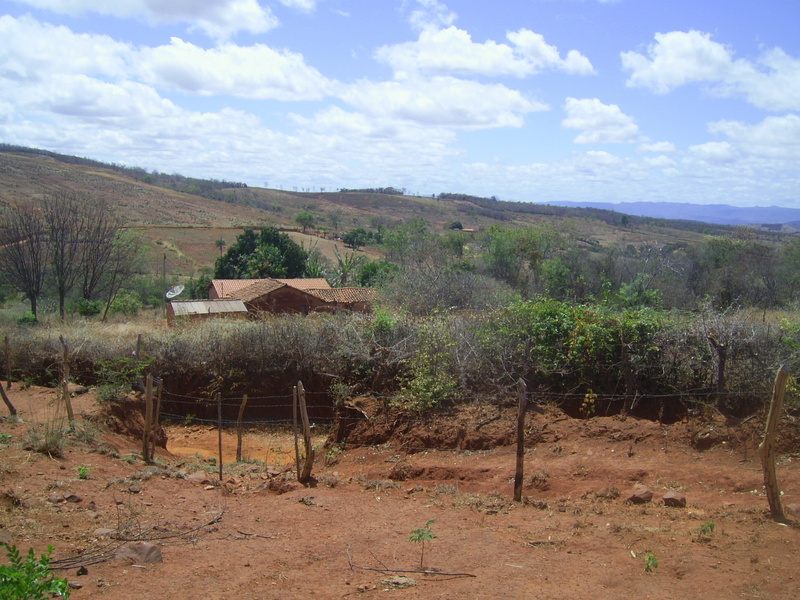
x: 422, y: 535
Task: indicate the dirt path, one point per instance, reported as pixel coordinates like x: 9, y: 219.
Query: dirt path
x: 261, y: 535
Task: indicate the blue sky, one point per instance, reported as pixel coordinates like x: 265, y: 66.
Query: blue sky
x: 528, y: 100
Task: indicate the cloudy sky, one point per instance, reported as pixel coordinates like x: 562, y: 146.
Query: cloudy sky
x: 531, y: 100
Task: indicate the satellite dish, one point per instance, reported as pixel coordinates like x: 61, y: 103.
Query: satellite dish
x: 175, y: 290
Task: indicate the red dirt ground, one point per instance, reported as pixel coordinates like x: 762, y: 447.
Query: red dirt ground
x: 262, y: 535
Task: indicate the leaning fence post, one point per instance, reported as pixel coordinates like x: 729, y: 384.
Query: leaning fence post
x: 520, y: 473
x: 239, y: 430
x: 8, y: 363
x: 309, y: 459
x: 10, y: 406
x: 148, y: 418
x: 766, y: 448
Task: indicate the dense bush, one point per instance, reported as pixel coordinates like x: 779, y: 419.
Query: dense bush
x: 563, y: 350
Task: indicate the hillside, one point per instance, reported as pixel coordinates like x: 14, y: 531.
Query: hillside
x: 181, y: 228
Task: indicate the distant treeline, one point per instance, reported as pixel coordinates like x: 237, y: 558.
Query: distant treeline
x: 381, y: 190
x: 208, y: 188
x: 503, y: 210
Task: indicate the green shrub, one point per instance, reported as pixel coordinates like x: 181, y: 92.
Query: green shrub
x: 433, y: 371
x: 29, y: 578
x: 27, y: 319
x: 90, y: 308
x: 126, y: 303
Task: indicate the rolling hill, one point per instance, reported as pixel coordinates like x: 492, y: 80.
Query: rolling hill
x: 181, y: 218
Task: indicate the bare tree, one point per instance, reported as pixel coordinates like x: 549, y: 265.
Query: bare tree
x: 97, y: 248
x: 67, y: 223
x: 24, y: 252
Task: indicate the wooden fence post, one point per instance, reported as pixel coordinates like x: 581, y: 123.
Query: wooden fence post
x: 520, y: 472
x: 156, y: 418
x: 65, y: 382
x: 239, y: 429
x: 766, y: 449
x: 296, y: 432
x: 219, y: 429
x: 8, y: 363
x: 148, y: 419
x: 305, y: 475
x: 10, y: 406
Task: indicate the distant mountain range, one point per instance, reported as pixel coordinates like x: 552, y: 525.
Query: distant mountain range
x: 720, y: 214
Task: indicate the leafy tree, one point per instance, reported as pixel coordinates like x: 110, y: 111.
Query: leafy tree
x: 305, y: 220
x: 356, y: 238
x: 220, y: 244
x: 266, y: 253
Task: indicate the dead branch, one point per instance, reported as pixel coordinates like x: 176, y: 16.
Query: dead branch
x: 404, y: 571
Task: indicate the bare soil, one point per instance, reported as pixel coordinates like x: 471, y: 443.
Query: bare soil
x: 260, y: 534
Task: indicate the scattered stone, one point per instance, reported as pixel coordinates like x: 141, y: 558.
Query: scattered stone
x: 708, y: 438
x: 103, y: 531
x: 208, y: 488
x: 74, y: 585
x: 640, y: 495
x: 82, y: 571
x: 308, y: 501
x: 5, y: 537
x: 31, y: 503
x: 76, y: 389
x: 140, y: 553
x: 135, y: 488
x: 398, y: 582
x: 55, y: 498
x: 198, y: 477
x: 793, y: 510
x: 675, y: 499
x: 74, y: 498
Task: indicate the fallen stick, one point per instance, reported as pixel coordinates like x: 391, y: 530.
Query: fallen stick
x: 416, y: 571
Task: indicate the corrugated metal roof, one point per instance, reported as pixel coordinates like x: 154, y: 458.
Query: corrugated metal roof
x: 183, y: 308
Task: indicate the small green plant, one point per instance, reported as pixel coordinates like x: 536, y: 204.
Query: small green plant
x: 706, y: 529
x: 422, y: 536
x: 29, y: 578
x: 189, y: 419
x: 83, y: 472
x: 650, y: 562
x: 589, y: 405
x: 5, y: 438
x: 332, y: 455
x: 49, y: 440
x: 117, y: 377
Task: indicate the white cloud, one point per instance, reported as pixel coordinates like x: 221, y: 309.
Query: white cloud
x: 675, y: 59
x: 219, y: 18
x: 679, y: 58
x: 774, y: 137
x: 714, y: 152
x: 431, y: 15
x: 305, y: 6
x: 541, y: 55
x: 657, y: 147
x: 250, y: 72
x: 452, y: 51
x: 599, y: 123
x: 443, y: 101
x: 32, y: 51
